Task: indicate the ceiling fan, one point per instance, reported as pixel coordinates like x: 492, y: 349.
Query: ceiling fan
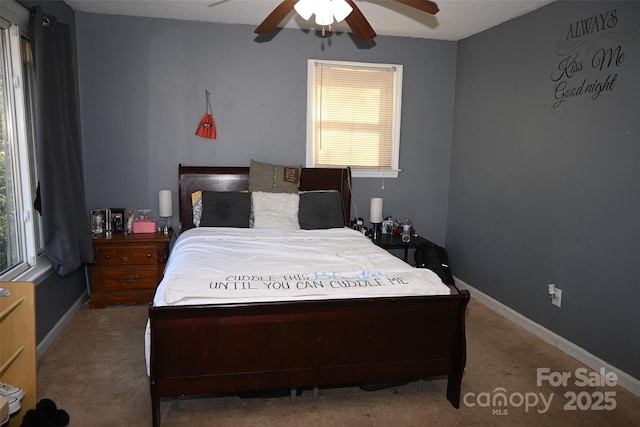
x: 356, y: 20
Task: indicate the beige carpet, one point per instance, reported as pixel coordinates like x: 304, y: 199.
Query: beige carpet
x: 96, y: 371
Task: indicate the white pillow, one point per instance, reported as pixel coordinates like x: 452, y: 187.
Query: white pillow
x: 275, y: 210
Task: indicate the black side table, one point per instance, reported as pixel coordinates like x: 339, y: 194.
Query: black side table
x: 394, y: 241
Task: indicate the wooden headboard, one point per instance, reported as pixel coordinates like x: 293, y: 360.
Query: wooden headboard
x: 211, y: 178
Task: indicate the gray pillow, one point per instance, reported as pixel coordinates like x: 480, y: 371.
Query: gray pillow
x: 320, y: 210
x: 273, y: 178
x: 225, y: 209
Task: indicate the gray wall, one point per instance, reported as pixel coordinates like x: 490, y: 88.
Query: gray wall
x: 55, y: 296
x: 544, y: 195
x: 142, y: 84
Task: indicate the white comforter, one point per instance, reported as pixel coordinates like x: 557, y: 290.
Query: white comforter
x: 227, y: 265
x: 223, y: 265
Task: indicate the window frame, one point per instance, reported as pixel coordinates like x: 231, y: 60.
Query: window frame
x: 33, y: 264
x: 380, y: 172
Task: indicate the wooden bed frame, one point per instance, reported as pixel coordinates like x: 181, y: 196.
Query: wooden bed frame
x: 235, y: 348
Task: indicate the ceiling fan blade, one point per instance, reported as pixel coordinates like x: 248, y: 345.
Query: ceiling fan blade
x: 359, y: 24
x: 276, y: 16
x: 423, y: 5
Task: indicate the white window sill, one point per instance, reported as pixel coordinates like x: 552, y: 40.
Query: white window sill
x: 38, y: 273
x: 374, y: 173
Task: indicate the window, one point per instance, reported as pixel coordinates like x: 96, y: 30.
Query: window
x: 353, y: 117
x: 20, y: 229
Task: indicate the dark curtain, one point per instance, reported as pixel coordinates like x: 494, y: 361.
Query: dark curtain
x: 61, y: 200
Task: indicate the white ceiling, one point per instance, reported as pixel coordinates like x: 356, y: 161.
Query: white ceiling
x: 456, y: 20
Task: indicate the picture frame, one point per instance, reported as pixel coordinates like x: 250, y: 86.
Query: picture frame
x: 387, y: 226
x: 98, y: 218
x: 117, y: 220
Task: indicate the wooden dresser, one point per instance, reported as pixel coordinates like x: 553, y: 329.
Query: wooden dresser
x: 18, y: 342
x: 127, y: 268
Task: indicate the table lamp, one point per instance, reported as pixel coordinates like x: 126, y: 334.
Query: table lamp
x: 165, y: 208
x: 375, y: 216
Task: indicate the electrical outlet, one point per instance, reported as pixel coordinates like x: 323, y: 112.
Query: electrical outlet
x: 557, y: 297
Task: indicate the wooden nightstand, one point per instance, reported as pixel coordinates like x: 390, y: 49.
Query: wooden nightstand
x: 127, y: 268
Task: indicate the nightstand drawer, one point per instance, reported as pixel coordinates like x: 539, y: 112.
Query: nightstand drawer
x: 127, y: 255
x: 130, y: 278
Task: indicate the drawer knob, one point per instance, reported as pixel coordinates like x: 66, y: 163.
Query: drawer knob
x: 131, y: 278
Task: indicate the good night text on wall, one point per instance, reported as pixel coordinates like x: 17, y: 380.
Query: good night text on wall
x: 591, y: 53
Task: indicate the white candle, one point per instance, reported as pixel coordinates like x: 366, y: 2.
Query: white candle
x: 166, y: 206
x: 375, y: 213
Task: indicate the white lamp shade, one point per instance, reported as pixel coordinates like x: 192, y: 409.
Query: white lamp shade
x: 324, y: 16
x: 340, y: 9
x: 375, y: 214
x: 325, y: 10
x: 165, y: 203
x: 305, y: 8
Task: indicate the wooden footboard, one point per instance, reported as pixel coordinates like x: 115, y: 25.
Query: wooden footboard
x: 266, y: 346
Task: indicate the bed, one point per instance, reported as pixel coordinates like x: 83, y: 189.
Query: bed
x: 240, y: 345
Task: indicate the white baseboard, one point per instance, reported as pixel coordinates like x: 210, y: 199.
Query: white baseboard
x: 624, y: 380
x: 60, y: 325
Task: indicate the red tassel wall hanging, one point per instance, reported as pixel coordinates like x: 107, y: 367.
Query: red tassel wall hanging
x: 207, y: 127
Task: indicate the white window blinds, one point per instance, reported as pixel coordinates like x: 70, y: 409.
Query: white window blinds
x: 354, y: 116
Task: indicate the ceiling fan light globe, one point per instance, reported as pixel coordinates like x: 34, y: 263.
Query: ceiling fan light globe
x: 324, y: 17
x: 341, y: 9
x: 305, y: 8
